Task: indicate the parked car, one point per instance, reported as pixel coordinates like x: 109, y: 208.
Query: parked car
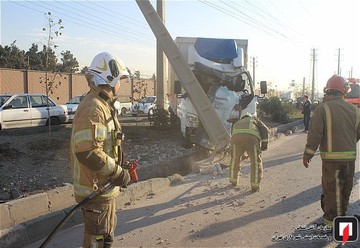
x: 124, y: 108
x: 74, y: 102
x: 143, y: 106
x: 28, y: 110
x: 72, y: 105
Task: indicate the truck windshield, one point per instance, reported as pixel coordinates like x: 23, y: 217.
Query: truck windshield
x: 354, y: 91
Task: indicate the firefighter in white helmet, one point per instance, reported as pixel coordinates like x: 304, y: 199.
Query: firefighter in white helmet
x: 335, y: 129
x: 96, y: 149
x: 249, y: 134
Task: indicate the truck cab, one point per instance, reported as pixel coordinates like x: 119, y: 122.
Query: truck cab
x: 353, y: 96
x: 219, y: 66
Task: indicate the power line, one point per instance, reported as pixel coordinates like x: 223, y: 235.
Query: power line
x: 253, y: 19
x: 106, y: 22
x: 248, y: 20
x: 279, y: 22
x: 116, y: 15
x: 86, y: 22
x: 83, y: 24
x: 232, y: 15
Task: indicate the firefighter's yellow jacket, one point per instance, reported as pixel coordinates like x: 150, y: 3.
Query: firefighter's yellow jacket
x: 96, y: 150
x: 252, y: 126
x: 335, y: 127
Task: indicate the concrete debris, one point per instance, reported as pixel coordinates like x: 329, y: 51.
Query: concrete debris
x: 175, y: 179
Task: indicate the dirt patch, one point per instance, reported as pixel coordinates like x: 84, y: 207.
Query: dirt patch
x: 33, y: 160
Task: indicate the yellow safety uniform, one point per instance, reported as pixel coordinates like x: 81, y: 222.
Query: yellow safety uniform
x: 96, y: 153
x: 249, y: 135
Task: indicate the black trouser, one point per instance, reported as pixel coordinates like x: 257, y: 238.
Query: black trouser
x: 337, y: 184
x: 306, y: 121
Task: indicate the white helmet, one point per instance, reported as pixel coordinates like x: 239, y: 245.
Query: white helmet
x: 105, y: 69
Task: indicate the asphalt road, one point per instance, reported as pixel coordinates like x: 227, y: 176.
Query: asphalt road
x: 204, y: 211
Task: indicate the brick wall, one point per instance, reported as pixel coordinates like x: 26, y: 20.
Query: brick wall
x: 12, y: 81
x: 65, y: 86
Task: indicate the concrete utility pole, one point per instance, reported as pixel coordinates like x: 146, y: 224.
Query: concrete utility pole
x: 313, y: 75
x: 254, y: 70
x: 303, y: 91
x: 338, y: 70
x: 160, y: 58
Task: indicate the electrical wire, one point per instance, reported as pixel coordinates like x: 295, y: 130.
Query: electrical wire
x: 106, y: 22
x: 253, y: 19
x: 233, y: 16
x: 275, y: 19
x: 95, y: 25
x: 234, y: 13
x: 83, y: 24
x: 121, y: 17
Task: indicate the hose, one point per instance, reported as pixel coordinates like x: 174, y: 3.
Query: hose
x: 101, y: 190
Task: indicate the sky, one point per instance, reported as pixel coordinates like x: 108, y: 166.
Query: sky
x: 282, y: 34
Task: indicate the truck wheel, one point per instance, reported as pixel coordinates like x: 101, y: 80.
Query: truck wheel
x: 123, y: 111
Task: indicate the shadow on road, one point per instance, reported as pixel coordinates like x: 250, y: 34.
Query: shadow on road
x: 132, y: 219
x: 284, y: 160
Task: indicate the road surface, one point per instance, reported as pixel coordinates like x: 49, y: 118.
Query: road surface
x: 204, y: 211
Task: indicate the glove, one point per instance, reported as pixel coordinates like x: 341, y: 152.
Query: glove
x: 264, y: 146
x: 306, y: 160
x: 123, y: 179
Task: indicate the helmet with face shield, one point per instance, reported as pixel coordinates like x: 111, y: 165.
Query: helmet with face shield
x: 105, y: 69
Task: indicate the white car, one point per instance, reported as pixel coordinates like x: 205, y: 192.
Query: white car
x: 28, y: 110
x: 143, y: 106
x: 72, y: 105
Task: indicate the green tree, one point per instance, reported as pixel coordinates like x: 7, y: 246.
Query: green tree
x: 12, y: 57
x: 137, y: 74
x: 49, y: 59
x: 34, y: 59
x: 84, y: 69
x: 69, y: 63
x: 275, y: 109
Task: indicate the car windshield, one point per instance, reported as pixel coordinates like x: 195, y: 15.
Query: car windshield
x: 3, y: 99
x: 75, y: 100
x: 149, y: 99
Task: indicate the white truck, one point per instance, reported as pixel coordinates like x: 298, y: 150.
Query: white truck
x: 220, y: 67
x: 221, y: 74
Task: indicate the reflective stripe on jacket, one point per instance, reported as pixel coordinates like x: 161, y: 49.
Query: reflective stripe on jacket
x: 253, y: 126
x: 93, y: 132
x: 335, y: 127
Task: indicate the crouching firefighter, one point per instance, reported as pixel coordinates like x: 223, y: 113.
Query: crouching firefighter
x: 250, y: 135
x: 96, y: 149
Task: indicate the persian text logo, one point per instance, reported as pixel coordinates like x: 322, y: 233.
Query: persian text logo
x: 345, y: 229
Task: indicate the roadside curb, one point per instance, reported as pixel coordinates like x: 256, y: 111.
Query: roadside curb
x: 20, y: 227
